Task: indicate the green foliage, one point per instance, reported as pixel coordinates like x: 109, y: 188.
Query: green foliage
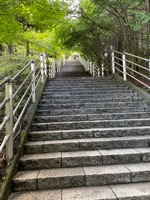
x: 11, y: 64
x: 57, y: 26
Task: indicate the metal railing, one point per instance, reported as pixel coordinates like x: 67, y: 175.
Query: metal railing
x: 93, y: 69
x: 132, y: 67
x: 16, y: 98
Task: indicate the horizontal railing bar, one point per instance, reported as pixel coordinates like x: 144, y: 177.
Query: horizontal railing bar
x: 37, y: 66
x: 38, y: 74
x: 38, y: 57
x: 137, y: 57
x: 4, y: 103
x: 137, y: 72
x: 38, y: 82
x: 22, y: 85
x: 25, y: 93
x: 117, y: 52
x: 48, y: 60
x: 119, y: 70
x: 137, y: 65
x: 22, y: 70
x: 2, y: 146
x: 118, y: 58
x: 138, y: 80
x: 21, y: 114
x: 118, y: 64
x: 5, y: 120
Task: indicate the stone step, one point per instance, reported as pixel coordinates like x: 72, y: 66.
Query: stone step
x: 99, y: 100
x: 92, y: 105
x: 80, y: 81
x: 81, y: 176
x: 84, y: 79
x: 88, y: 117
x: 91, y: 111
x: 87, y: 144
x: 73, y: 93
x: 86, y: 89
x: 131, y: 95
x: 136, y: 191
x: 83, y: 82
x: 85, y: 85
x: 90, y: 124
x: 89, y: 133
x: 84, y: 158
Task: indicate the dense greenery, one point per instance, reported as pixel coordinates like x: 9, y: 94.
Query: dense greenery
x: 100, y: 24
x: 89, y: 26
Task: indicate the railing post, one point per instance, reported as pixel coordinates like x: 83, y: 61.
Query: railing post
x: 53, y: 69
x: 88, y: 65
x: 102, y: 70
x: 64, y: 61
x: 149, y: 67
x: 113, y: 62
x: 33, y: 81
x: 59, y: 65
x: 99, y: 73
x: 42, y: 68
x: 93, y: 70
x: 50, y: 71
x: 9, y: 125
x: 45, y: 63
x: 124, y: 67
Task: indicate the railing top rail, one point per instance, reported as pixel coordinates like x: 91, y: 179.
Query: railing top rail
x: 117, y: 52
x: 6, y: 80
x: 38, y: 57
x: 148, y: 60
x: 16, y: 76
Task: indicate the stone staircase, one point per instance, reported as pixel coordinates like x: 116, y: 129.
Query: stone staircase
x: 89, y: 141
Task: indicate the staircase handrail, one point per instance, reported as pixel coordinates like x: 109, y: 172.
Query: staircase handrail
x: 15, y: 101
x: 91, y: 67
x: 131, y: 66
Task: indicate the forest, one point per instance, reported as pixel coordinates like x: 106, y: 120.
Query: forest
x: 90, y: 27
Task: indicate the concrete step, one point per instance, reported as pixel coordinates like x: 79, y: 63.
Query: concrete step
x: 87, y: 144
x: 137, y: 191
x: 86, y: 117
x: 98, y: 100
x: 81, y: 176
x: 90, y: 124
x: 92, y: 111
x: 92, y: 105
x: 89, y: 133
x: 84, y: 158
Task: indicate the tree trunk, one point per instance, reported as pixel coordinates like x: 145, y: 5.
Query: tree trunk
x: 1, y: 49
x: 10, y: 49
x: 27, y: 48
